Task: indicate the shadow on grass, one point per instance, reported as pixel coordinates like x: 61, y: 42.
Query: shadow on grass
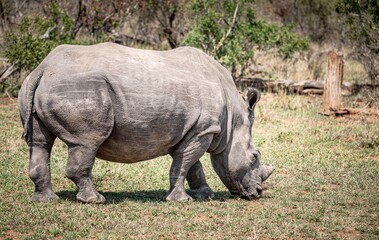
x: 138, y: 196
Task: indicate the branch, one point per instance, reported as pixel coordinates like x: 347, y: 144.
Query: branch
x: 16, y: 9
x: 79, y: 18
x: 108, y: 17
x: 47, y: 33
x: 4, y: 75
x: 225, y: 36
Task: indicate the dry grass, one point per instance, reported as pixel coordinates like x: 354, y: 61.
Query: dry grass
x: 325, y: 186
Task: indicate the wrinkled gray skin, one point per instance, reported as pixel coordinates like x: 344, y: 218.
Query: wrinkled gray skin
x: 127, y: 105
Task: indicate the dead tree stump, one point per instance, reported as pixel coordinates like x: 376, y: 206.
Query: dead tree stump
x: 332, y: 99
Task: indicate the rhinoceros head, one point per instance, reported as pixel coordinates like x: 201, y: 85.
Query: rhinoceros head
x: 239, y: 165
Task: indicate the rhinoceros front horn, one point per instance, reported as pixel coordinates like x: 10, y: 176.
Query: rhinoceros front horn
x: 266, y: 171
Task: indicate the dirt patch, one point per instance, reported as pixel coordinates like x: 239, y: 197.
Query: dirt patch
x: 332, y: 187
x: 10, y: 234
x: 372, y: 119
x: 283, y: 171
x: 200, y: 218
x: 348, y: 233
x: 7, y: 100
x: 375, y: 158
x: 349, y: 138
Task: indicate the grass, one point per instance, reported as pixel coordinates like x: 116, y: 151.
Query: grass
x: 326, y: 186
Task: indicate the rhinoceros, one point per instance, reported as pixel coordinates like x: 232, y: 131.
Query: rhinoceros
x: 128, y: 105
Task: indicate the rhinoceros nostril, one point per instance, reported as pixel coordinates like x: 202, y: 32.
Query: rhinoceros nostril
x: 252, y: 196
x: 259, y: 192
x: 259, y: 189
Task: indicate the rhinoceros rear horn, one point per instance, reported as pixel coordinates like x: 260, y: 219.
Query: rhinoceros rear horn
x: 253, y: 96
x: 266, y: 171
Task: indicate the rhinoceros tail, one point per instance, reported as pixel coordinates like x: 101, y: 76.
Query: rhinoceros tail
x: 26, y: 100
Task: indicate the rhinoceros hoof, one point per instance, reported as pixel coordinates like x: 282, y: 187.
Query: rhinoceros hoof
x: 44, y: 197
x: 204, y: 193
x: 90, y: 196
x: 178, y: 196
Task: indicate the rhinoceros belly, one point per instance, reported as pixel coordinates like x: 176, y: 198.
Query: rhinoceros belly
x: 137, y: 141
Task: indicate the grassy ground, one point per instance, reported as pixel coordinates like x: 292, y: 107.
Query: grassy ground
x: 326, y: 186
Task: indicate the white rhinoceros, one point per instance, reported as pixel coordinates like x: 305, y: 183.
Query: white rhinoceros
x: 128, y: 105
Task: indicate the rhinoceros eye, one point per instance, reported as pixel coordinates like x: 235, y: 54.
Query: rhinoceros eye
x: 256, y: 158
x: 257, y: 155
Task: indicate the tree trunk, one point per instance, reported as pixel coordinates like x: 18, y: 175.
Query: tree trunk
x: 332, y: 88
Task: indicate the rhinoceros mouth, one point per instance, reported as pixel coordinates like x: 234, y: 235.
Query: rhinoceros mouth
x: 248, y: 194
x: 254, y: 193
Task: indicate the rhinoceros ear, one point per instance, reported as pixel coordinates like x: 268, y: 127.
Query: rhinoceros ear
x: 253, y: 96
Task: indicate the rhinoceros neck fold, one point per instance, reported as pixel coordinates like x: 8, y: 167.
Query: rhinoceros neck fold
x: 230, y: 100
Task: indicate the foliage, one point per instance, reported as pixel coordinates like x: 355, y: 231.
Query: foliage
x: 229, y: 31
x: 96, y: 18
x: 325, y: 185
x: 166, y: 18
x: 362, y: 18
x: 36, y: 36
x: 316, y: 19
x: 230, y: 34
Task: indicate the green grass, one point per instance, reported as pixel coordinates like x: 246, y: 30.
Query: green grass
x: 326, y: 186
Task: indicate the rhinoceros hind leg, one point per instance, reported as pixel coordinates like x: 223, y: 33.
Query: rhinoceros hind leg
x: 184, y: 157
x: 199, y: 188
x: 40, y: 142
x: 79, y: 170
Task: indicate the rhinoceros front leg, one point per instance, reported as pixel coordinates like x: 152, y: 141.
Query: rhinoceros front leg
x: 184, y: 157
x: 199, y: 188
x: 79, y: 170
x: 40, y: 143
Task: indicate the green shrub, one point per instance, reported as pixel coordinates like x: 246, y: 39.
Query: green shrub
x: 229, y: 31
x: 362, y: 21
x: 36, y: 36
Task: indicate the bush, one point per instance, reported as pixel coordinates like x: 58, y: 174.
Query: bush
x: 362, y: 20
x: 36, y: 36
x: 229, y: 31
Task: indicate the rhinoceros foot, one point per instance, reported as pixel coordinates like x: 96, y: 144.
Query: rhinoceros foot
x: 177, y: 195
x: 90, y: 196
x: 203, y: 193
x: 44, y: 197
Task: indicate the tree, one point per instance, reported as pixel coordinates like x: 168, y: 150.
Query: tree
x: 316, y: 19
x: 96, y: 18
x: 362, y: 19
x: 230, y: 31
x: 161, y: 20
